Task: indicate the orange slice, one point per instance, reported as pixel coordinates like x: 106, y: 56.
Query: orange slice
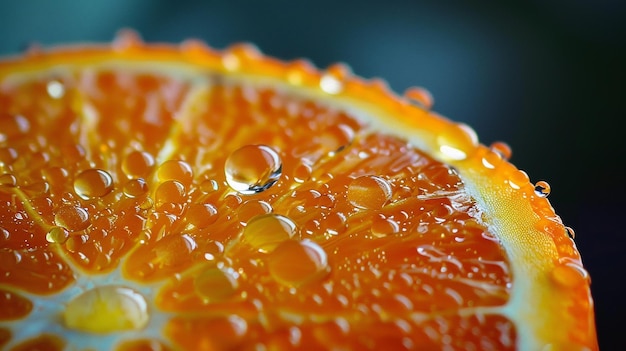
x: 158, y: 197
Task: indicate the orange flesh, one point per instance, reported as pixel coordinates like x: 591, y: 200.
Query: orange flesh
x: 354, y: 239
x: 393, y: 272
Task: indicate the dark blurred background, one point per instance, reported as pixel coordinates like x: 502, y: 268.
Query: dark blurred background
x: 547, y: 77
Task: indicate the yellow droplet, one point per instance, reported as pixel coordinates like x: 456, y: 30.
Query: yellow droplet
x: 170, y: 191
x: 369, y: 192
x: 93, y: 183
x: 57, y: 235
x: 457, y: 142
x: 251, y: 209
x: 216, y: 284
x: 175, y: 170
x: 137, y: 164
x: 265, y: 232
x: 295, y: 263
x: 107, y: 309
x: 72, y: 217
x: 252, y: 169
x: 135, y: 187
x: 201, y: 215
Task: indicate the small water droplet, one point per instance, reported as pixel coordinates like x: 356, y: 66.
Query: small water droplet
x: 72, y: 217
x: 331, y: 84
x: 201, y: 215
x: 251, y: 209
x: 542, y: 188
x: 295, y: 263
x: 457, y: 142
x: 569, y: 273
x: 13, y: 126
x: 55, y: 89
x: 175, y: 170
x: 126, y: 39
x: 4, y: 233
x: 302, y: 173
x: 382, y: 227
x: 216, y: 284
x: 252, y: 169
x: 369, y: 192
x: 491, y: 159
x: 57, y: 235
x: 107, y: 309
x: 138, y: 164
x: 8, y: 155
x: 209, y: 186
x: 8, y: 180
x: 421, y: 96
x: 570, y: 232
x: 170, y: 192
x: 517, y: 179
x: 267, y: 231
x: 93, y: 183
x: 502, y: 148
x: 135, y: 188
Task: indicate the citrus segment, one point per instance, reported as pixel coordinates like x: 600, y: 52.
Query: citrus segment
x: 182, y: 198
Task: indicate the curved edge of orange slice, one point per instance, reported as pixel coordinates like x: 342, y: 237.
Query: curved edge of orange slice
x: 550, y: 300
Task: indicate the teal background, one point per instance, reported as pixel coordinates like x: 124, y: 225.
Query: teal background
x: 547, y: 77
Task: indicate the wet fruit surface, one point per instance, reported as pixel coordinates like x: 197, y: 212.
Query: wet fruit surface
x: 147, y: 211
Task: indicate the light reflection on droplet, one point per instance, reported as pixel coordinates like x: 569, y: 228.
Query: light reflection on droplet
x: 55, y: 89
x: 252, y: 169
x: 542, y: 188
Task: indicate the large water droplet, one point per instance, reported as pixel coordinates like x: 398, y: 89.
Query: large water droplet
x: 369, y: 192
x: 106, y: 309
x: 170, y: 191
x: 295, y: 263
x: 72, y: 217
x: 420, y: 96
x: 501, y: 148
x: 265, y: 232
x: 57, y: 235
x: 252, y: 169
x: 517, y: 179
x: 137, y: 164
x: 216, y: 284
x: 251, y: 209
x: 93, y: 183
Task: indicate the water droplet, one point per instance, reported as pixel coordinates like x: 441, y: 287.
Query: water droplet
x: 369, y: 192
x: 502, y: 148
x: 55, y: 89
x: 135, y: 188
x: 302, y: 173
x: 4, y: 233
x: 569, y: 273
x: 125, y: 40
x: 175, y: 170
x: 137, y: 164
x: 209, y: 186
x: 295, y: 263
x: 13, y: 126
x: 492, y: 159
x: 265, y: 232
x: 570, y: 232
x: 170, y: 191
x: 201, y: 215
x: 382, y: 227
x: 216, y: 284
x: 8, y: 180
x: 71, y: 217
x: 55, y: 176
x: 336, y: 137
x: 57, y: 235
x: 107, y: 309
x: 542, y: 188
x: 93, y: 183
x: 251, y: 209
x: 8, y: 155
x: 331, y: 84
x: 252, y: 169
x: 420, y: 96
x: 517, y: 179
x: 457, y: 142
